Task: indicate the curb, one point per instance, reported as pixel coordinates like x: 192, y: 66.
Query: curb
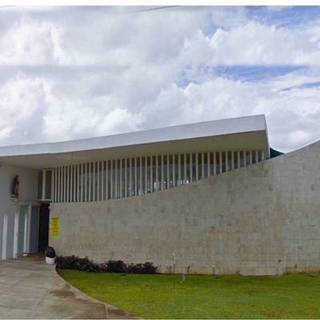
x: 111, y: 312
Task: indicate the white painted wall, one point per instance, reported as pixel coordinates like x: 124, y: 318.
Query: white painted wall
x: 28, y: 191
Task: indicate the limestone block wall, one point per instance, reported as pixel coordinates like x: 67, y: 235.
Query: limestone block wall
x: 263, y: 219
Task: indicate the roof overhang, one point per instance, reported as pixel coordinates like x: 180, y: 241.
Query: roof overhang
x: 247, y: 133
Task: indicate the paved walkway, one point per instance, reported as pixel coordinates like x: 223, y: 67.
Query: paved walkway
x: 32, y: 289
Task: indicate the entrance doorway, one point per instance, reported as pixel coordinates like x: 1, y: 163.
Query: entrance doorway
x: 43, y: 227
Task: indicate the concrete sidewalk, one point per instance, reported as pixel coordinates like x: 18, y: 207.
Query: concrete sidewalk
x: 32, y: 289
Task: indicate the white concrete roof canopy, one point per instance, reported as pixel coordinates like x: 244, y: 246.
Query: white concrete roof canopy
x: 245, y: 133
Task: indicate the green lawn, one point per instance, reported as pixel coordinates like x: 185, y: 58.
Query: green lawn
x: 164, y: 296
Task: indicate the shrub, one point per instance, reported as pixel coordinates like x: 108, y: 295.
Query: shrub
x: 145, y: 268
x: 149, y: 268
x: 115, y: 266
x: 76, y: 263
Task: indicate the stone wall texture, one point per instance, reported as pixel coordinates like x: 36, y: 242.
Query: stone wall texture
x: 259, y: 220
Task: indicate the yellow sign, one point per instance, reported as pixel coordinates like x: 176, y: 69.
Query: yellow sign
x: 54, y: 227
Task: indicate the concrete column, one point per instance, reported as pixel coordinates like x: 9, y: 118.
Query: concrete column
x: 245, y: 158
x: 68, y: 177
x: 257, y: 156
x: 94, y: 181
x: 54, y: 191
x: 214, y: 163
x: 130, y: 177
x: 197, y: 166
x: 87, y: 199
x: 125, y: 177
x: 173, y: 170
x: 60, y: 184
x: 135, y: 177
x: 111, y: 179
x: 90, y: 181
x: 151, y: 174
x: 64, y: 168
x: 88, y: 166
x: 52, y: 185
x: 179, y: 169
x: 162, y: 180
x: 185, y: 168
x: 101, y: 180
x: 202, y: 165
x: 81, y: 182
x: 98, y: 181
x: 157, y: 173
x: 238, y: 161
x: 120, y: 179
x: 145, y: 174
x: 57, y: 184
x: 85, y: 182
x: 77, y: 182
x: 43, y: 184
x: 73, y: 184
x: 220, y: 162
x: 168, y: 170
x: 69, y: 181
x: 226, y: 154
x: 115, y: 174
x: 208, y: 164
x: 262, y: 155
x: 107, y: 179
x: 232, y: 160
x: 191, y: 167
x: 140, y: 189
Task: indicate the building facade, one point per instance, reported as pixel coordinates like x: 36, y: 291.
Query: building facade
x: 199, y: 198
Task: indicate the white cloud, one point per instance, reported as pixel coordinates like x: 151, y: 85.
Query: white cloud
x: 40, y: 109
x: 28, y: 42
x: 140, y: 60
x: 254, y: 43
x: 157, y: 37
x: 22, y: 105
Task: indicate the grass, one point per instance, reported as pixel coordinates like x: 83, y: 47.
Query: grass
x: 165, y: 296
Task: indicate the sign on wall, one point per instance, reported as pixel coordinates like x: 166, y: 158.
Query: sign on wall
x: 54, y: 227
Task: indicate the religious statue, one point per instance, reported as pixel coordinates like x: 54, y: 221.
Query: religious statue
x: 15, y: 187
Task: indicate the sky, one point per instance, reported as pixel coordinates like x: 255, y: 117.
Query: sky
x: 79, y: 72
